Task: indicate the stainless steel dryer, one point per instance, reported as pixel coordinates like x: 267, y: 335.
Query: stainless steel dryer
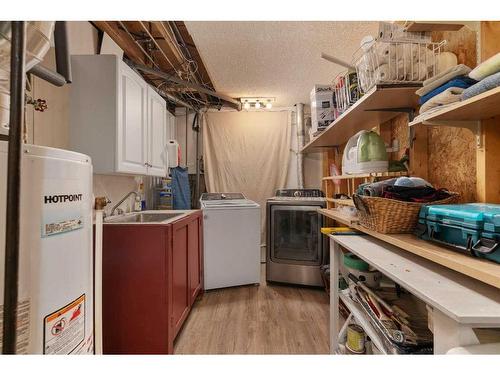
x: 296, y: 249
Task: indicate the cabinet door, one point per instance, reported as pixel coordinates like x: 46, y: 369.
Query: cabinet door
x: 179, y: 275
x: 195, y: 231
x: 132, y: 123
x: 157, y: 128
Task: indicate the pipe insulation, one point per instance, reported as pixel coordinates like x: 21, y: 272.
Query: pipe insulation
x: 63, y: 60
x: 48, y: 75
x: 300, y: 144
x: 16, y: 121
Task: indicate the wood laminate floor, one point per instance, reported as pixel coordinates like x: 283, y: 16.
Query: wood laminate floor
x: 264, y: 319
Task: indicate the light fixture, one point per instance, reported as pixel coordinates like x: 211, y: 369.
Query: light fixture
x: 257, y: 102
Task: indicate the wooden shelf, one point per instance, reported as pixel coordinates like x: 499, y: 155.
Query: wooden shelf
x: 339, y: 216
x: 479, y: 269
x: 365, y: 175
x: 365, y: 114
x: 343, y: 202
x: 479, y: 107
x: 419, y: 26
x: 459, y: 297
x: 364, y: 321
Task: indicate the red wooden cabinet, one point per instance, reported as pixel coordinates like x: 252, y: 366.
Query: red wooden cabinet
x: 152, y: 274
x: 186, y: 268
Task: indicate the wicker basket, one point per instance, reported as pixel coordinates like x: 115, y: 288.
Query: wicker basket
x: 385, y: 215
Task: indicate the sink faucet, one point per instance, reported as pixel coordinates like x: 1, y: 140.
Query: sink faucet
x: 122, y: 200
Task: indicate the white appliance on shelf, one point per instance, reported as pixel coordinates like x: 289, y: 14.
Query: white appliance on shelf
x: 55, y: 304
x: 231, y: 235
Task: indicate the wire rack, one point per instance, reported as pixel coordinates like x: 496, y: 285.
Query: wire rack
x: 345, y: 91
x: 396, y: 62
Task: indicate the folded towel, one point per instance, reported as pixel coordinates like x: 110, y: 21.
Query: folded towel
x: 486, y: 68
x: 486, y: 84
x: 450, y: 95
x: 441, y: 78
x: 425, y: 115
x: 460, y: 82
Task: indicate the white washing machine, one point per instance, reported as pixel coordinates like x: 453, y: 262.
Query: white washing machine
x: 231, y: 235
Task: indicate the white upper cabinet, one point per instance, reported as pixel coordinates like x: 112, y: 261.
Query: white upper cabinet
x: 157, y: 130
x: 116, y: 117
x: 132, y: 130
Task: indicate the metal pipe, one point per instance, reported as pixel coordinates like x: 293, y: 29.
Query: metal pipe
x: 48, y: 75
x: 300, y: 144
x: 16, y: 120
x: 63, y: 60
x: 176, y: 100
x: 197, y: 188
x: 337, y: 61
x: 231, y: 101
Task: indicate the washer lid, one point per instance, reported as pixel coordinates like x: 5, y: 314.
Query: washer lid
x: 222, y: 196
x: 235, y: 203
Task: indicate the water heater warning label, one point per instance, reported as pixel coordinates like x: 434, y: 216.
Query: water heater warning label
x: 49, y: 229
x: 64, y: 330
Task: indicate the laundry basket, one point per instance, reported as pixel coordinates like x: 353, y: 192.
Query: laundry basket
x: 396, y: 62
x: 386, y: 215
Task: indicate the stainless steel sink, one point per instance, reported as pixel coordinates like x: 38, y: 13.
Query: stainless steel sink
x: 143, y: 218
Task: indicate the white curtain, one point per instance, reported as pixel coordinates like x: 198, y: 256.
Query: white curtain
x: 247, y: 152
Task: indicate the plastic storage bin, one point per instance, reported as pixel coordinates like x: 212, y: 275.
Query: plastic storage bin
x: 473, y: 227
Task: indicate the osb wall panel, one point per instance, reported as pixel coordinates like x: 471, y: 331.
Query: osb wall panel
x: 399, y: 131
x: 452, y: 151
x: 452, y: 161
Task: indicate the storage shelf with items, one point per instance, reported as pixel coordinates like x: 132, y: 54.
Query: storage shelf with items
x: 476, y: 268
x: 416, y: 293
x: 380, y: 104
x: 441, y: 155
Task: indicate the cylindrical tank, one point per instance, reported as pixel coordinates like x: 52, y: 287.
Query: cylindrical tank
x: 55, y: 308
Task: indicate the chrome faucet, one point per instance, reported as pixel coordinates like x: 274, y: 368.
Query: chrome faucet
x: 122, y: 200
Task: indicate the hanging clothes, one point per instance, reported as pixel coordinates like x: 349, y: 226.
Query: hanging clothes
x: 181, y: 193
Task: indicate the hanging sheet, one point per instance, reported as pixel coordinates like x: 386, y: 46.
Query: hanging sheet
x: 247, y: 152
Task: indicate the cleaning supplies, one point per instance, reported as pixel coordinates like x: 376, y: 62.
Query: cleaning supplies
x: 365, y: 153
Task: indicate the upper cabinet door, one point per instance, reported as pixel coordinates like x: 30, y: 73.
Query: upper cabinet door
x: 157, y: 129
x: 132, y: 124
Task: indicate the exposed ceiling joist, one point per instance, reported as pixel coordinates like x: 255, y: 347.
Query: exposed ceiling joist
x: 168, y: 48
x: 121, y: 38
x: 231, y: 101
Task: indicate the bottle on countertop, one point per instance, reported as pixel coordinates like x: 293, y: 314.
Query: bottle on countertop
x: 137, y: 203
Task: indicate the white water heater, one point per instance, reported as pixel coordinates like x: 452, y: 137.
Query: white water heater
x: 55, y: 304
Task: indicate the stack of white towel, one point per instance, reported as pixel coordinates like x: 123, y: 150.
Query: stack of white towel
x: 385, y: 62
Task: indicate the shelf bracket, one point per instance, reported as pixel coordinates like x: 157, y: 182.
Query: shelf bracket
x: 473, y: 126
x: 411, y: 116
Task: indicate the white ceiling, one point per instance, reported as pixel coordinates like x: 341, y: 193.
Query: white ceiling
x: 275, y: 59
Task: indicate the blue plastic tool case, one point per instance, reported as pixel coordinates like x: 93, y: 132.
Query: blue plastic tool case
x: 473, y: 228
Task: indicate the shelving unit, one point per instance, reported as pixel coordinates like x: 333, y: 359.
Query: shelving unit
x: 467, y: 113
x: 454, y: 298
x: 380, y: 104
x: 363, y: 321
x: 351, y: 183
x: 366, y: 175
x: 479, y: 269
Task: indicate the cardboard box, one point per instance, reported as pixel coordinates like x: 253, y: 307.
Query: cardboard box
x: 322, y: 111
